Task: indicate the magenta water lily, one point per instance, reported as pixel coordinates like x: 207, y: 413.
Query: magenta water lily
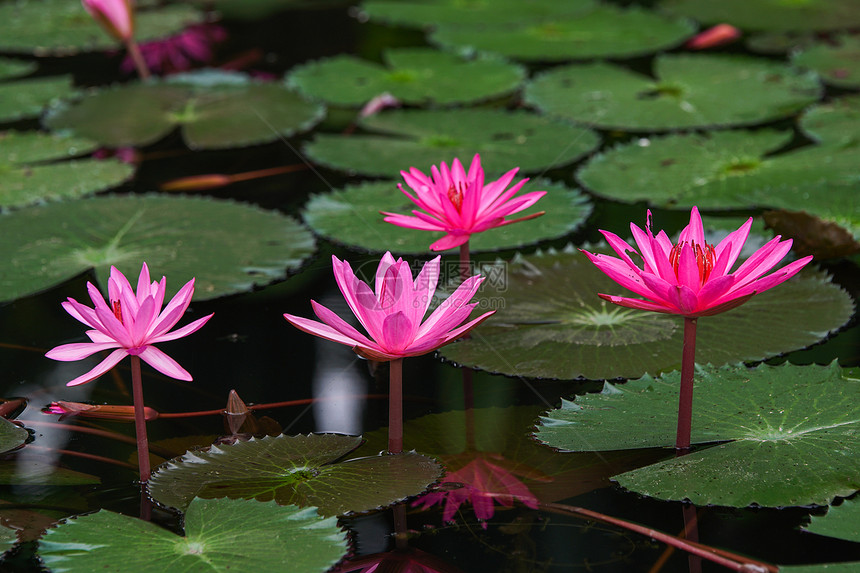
x: 460, y: 204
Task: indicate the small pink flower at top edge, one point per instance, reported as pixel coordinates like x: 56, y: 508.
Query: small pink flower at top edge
x: 116, y: 17
x: 692, y: 278
x: 393, y: 313
x: 131, y: 324
x: 459, y: 203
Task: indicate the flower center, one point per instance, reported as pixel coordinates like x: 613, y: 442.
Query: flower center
x: 117, y: 310
x: 705, y: 258
x: 455, y: 195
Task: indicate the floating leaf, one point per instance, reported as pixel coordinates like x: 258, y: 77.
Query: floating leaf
x: 423, y: 138
x: 352, y: 217
x: 21, y: 472
x: 604, y: 32
x: 220, y: 535
x: 423, y: 13
x: 837, y: 63
x: 27, y: 98
x: 553, y: 325
x: 8, y: 538
x: 11, y: 435
x: 845, y: 567
x: 215, y: 109
x: 301, y: 470
x: 791, y: 434
x: 834, y: 123
x: 770, y: 15
x: 26, y: 181
x: 840, y: 521
x: 418, y: 76
x: 689, y: 91
x: 229, y: 247
x: 826, y: 229
x: 63, y: 27
x: 13, y: 68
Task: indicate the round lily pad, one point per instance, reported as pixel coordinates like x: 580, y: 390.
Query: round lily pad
x: 427, y: 13
x: 604, y: 32
x: 770, y: 15
x: 8, y: 538
x: 687, y: 91
x: 13, y: 68
x: 837, y: 63
x: 63, y: 27
x: 550, y: 323
x: 790, y: 432
x: 841, y: 521
x: 836, y: 122
x: 27, y: 98
x: 229, y: 247
x: 302, y: 470
x: 352, y: 217
x: 11, y: 435
x: 220, y: 535
x: 417, y: 76
x: 423, y: 138
x: 29, y: 178
x: 215, y: 109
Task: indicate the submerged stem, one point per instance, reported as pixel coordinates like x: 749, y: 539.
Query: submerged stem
x: 140, y: 420
x: 395, y: 407
x: 685, y: 400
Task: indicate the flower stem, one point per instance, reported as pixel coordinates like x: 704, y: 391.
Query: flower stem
x: 685, y: 400
x: 137, y: 58
x: 140, y: 420
x: 395, y: 407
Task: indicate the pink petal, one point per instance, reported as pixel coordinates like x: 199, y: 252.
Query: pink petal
x: 78, y: 350
x: 409, y: 222
x: 174, y: 310
x: 114, y: 328
x: 164, y: 363
x: 322, y: 330
x: 336, y: 322
x: 397, y: 332
x: 181, y: 332
x: 694, y: 232
x: 449, y: 241
x: 112, y: 360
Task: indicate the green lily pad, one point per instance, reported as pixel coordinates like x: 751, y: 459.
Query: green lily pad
x: 20, y: 472
x: 841, y: 521
x: 604, y: 32
x: 837, y: 63
x: 13, y: 68
x: 418, y: 76
x: 11, y: 435
x: 770, y: 15
x: 302, y: 470
x: 834, y: 123
x: 63, y: 27
x: 229, y: 247
x: 220, y: 535
x: 845, y: 567
x: 790, y: 433
x: 28, y: 178
x: 553, y: 325
x: 423, y: 138
x: 778, y: 43
x: 8, y: 538
x: 215, y: 109
x: 352, y: 217
x: 429, y: 13
x: 27, y: 98
x: 690, y: 91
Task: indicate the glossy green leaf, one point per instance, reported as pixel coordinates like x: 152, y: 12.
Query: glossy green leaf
x: 229, y: 247
x: 837, y: 63
x: 12, y: 68
x: 214, y: 109
x: 845, y: 567
x: 11, y: 435
x: 428, y: 13
x: 771, y: 15
x: 841, y: 521
x: 8, y: 538
x: 28, y: 177
x: 836, y: 122
x: 32, y: 472
x: 220, y: 535
x: 352, y: 217
x: 63, y: 27
x: 27, y: 98
x: 604, y: 32
x: 551, y: 324
x: 416, y: 76
x: 302, y: 470
x: 417, y: 138
x: 790, y: 434
x: 686, y: 91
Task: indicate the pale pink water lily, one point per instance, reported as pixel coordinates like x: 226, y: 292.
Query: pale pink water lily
x: 393, y: 313
x: 115, y: 16
x: 693, y: 278
x: 131, y: 324
x: 460, y: 204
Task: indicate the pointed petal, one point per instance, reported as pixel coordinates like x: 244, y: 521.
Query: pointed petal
x: 319, y: 329
x: 112, y: 360
x: 449, y: 241
x: 78, y: 350
x: 181, y: 332
x: 164, y: 363
x: 173, y: 311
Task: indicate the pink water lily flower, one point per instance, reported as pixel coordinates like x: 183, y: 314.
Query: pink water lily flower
x: 131, y: 324
x: 693, y: 278
x: 115, y: 16
x: 460, y: 204
x: 393, y: 314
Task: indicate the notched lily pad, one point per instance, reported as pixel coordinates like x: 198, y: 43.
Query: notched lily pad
x: 417, y: 76
x: 790, y: 434
x: 302, y: 470
x: 229, y: 247
x: 771, y: 15
x: 423, y: 138
x: 214, y: 109
x: 687, y: 91
x: 837, y: 62
x: 219, y: 534
x: 428, y: 13
x: 841, y: 521
x: 553, y: 324
x: 352, y: 217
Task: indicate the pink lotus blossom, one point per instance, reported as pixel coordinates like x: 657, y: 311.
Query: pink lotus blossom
x: 180, y: 52
x: 115, y: 16
x: 392, y: 315
x: 693, y: 278
x: 131, y: 325
x: 459, y: 204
